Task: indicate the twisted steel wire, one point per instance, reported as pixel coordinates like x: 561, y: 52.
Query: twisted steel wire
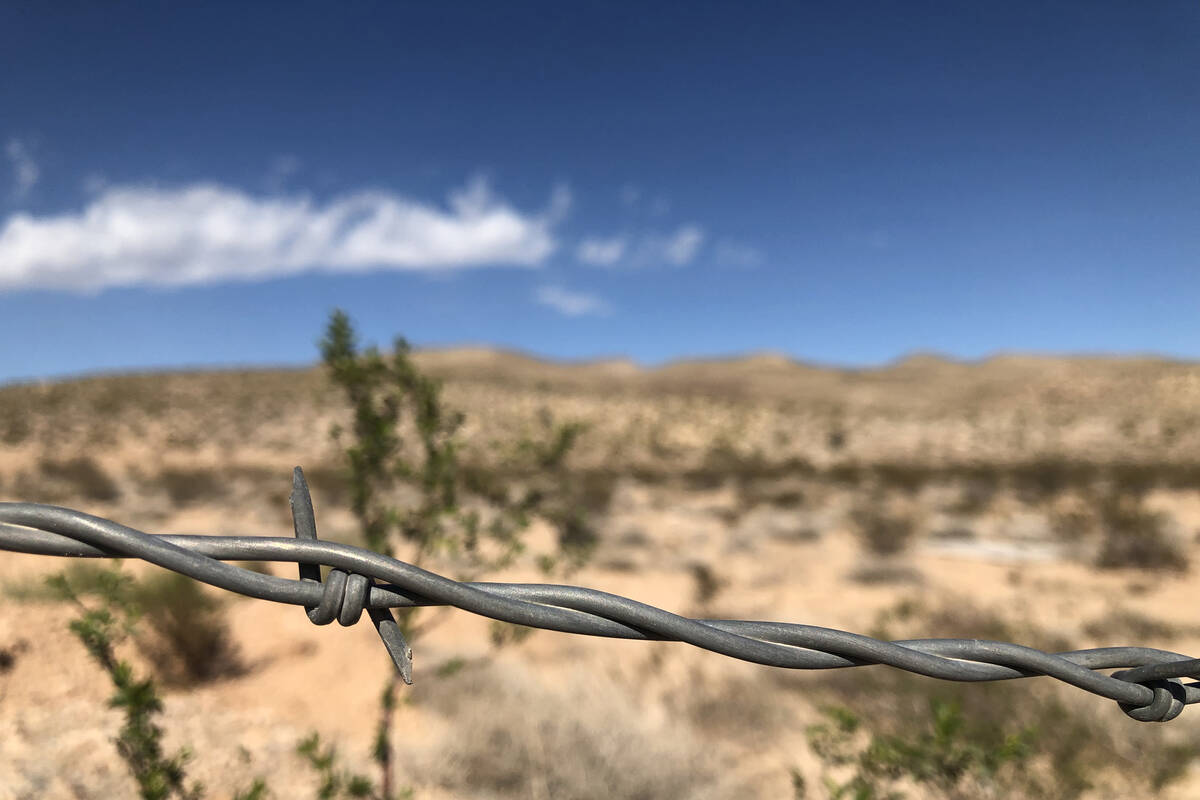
x: 1147, y: 685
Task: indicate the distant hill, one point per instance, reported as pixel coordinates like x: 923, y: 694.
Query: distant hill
x: 922, y: 409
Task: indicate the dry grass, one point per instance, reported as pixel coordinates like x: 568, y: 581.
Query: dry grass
x: 514, y: 737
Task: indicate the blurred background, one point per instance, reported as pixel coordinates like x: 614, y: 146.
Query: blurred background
x: 874, y: 317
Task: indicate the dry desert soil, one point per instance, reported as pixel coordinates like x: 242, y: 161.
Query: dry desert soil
x: 1054, y: 502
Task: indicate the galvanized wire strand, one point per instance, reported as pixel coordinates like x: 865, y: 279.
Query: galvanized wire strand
x: 1147, y: 689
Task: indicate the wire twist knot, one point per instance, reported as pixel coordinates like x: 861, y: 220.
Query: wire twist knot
x: 344, y: 598
x: 1166, y: 705
x: 345, y: 594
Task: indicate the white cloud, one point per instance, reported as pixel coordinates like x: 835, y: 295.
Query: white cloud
x: 572, y: 304
x: 683, y: 245
x: 25, y: 169
x: 729, y: 253
x: 206, y: 233
x: 652, y: 249
x: 602, y: 252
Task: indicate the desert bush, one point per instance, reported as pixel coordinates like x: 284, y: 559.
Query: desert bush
x: 181, y: 629
x: 1134, y: 536
x: 392, y: 405
x: 1042, y: 479
x: 707, y: 584
x: 977, y: 494
x: 9, y: 653
x: 956, y: 739
x: 1067, y: 745
x: 731, y: 707
x: 1134, y: 479
x: 15, y: 428
x: 847, y: 473
x: 82, y: 477
x: 883, y: 529
x: 102, y: 624
x: 951, y: 754
x: 907, y: 478
x: 835, y: 440
x: 403, y: 434
x: 1121, y: 624
x: 191, y: 486
x: 139, y: 743
x: 186, y: 634
x: 514, y: 737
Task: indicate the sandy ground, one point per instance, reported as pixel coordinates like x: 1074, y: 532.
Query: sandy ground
x: 55, y: 731
x: 565, y: 716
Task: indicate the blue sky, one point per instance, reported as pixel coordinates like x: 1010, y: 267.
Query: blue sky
x: 844, y: 184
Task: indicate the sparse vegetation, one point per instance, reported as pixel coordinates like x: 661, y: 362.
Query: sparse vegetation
x: 1136, y: 537
x: 885, y: 529
x: 517, y: 738
x: 100, y: 627
x: 707, y: 583
x: 1004, y: 739
x: 82, y: 477
x: 777, y: 478
x: 9, y: 653
x: 984, y: 740
x: 336, y: 782
x: 191, y: 486
x: 183, y: 632
x: 185, y: 636
x: 1122, y: 624
x: 954, y: 756
x: 396, y: 409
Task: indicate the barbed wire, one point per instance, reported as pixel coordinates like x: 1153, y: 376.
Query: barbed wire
x: 1147, y: 685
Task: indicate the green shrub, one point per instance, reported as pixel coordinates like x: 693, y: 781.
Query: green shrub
x: 100, y: 627
x: 950, y: 752
x: 402, y: 434
x: 1022, y: 738
x: 182, y: 629
x: 186, y: 636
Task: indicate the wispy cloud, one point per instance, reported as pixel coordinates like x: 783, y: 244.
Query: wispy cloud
x: 682, y: 246
x: 281, y: 169
x: 676, y: 248
x: 729, y: 253
x: 602, y: 252
x: 633, y: 198
x: 25, y: 169
x: 206, y: 233
x: 572, y: 304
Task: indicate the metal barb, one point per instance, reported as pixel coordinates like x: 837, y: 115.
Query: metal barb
x: 345, y: 593
x: 1148, y: 686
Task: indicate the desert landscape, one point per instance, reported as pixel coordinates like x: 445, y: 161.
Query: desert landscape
x: 1053, y: 502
